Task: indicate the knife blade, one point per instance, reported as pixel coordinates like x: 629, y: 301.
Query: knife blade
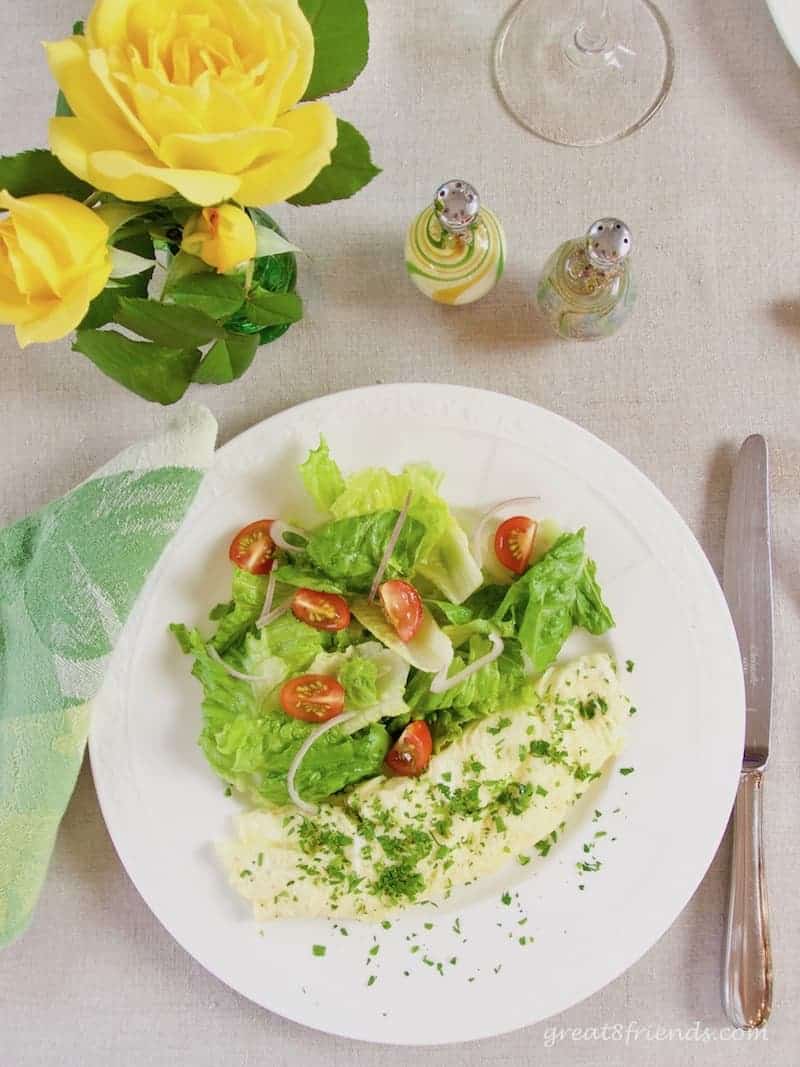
x: 747, y: 581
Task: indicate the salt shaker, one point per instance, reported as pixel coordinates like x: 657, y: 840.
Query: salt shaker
x: 586, y: 290
x: 455, y: 248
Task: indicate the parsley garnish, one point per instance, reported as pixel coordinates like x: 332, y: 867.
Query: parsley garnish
x: 318, y: 950
x: 502, y: 724
x: 626, y: 770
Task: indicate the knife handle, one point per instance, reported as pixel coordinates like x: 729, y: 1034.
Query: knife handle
x: 747, y: 973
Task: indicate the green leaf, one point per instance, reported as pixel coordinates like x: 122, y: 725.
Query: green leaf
x: 150, y: 370
x: 321, y: 476
x: 167, y: 324
x: 63, y: 110
x: 558, y: 592
x: 350, y: 169
x: 38, y: 171
x: 103, y: 308
x: 273, y: 309
x: 218, y: 295
x: 341, y: 44
x: 349, y: 550
x: 228, y: 359
x: 116, y: 213
x: 248, y: 594
x: 305, y: 578
x: 183, y: 266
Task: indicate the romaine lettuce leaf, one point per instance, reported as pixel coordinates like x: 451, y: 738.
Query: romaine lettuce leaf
x: 286, y: 640
x: 358, y: 676
x: 558, y: 592
x: 248, y: 599
x: 481, y: 605
x: 303, y: 577
x: 348, y: 551
x: 444, y: 556
x: 321, y: 476
x: 374, y: 680
x: 590, y: 611
x: 252, y: 747
x: 499, y: 684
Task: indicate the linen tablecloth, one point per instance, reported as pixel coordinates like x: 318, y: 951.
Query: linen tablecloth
x: 712, y: 353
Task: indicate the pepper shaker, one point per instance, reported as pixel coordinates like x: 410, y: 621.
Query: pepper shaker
x: 587, y: 290
x: 455, y: 248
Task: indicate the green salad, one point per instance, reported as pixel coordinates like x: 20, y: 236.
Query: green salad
x: 357, y: 648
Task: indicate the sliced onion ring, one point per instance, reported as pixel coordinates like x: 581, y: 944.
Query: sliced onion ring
x: 276, y: 613
x: 278, y: 532
x: 315, y: 735
x: 516, y: 503
x: 231, y: 670
x: 441, y: 683
x: 268, y: 598
x: 390, y: 547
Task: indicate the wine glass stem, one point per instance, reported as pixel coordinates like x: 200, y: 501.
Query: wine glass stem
x: 593, y: 28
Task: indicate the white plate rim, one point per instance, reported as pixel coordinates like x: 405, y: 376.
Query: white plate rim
x: 786, y: 16
x: 448, y: 395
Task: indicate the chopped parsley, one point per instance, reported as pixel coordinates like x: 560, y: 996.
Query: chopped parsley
x: 626, y: 770
x: 473, y: 765
x: 399, y: 881
x: 502, y: 724
x: 506, y: 898
x: 410, y: 846
x: 386, y: 924
x: 593, y: 865
x: 523, y: 860
x: 629, y: 665
x: 516, y: 797
x: 372, y: 980
x: 374, y: 950
x: 318, y: 950
x: 543, y: 846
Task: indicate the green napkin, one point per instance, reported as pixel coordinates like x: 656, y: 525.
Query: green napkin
x: 69, y: 576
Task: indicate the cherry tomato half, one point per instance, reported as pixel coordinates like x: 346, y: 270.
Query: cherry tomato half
x: 513, y: 542
x: 323, y: 611
x: 411, y: 752
x: 252, y: 548
x: 312, y: 697
x: 402, y: 606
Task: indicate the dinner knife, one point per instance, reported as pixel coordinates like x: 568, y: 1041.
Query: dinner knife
x: 747, y: 581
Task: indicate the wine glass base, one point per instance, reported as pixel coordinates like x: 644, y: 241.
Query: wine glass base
x: 573, y: 96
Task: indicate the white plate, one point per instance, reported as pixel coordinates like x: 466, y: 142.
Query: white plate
x: 164, y: 807
x: 786, y: 16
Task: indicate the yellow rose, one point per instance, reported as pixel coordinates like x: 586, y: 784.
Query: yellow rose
x: 54, y: 260
x: 221, y: 236
x: 192, y: 96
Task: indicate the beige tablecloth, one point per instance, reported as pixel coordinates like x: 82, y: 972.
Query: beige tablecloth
x: 710, y: 189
